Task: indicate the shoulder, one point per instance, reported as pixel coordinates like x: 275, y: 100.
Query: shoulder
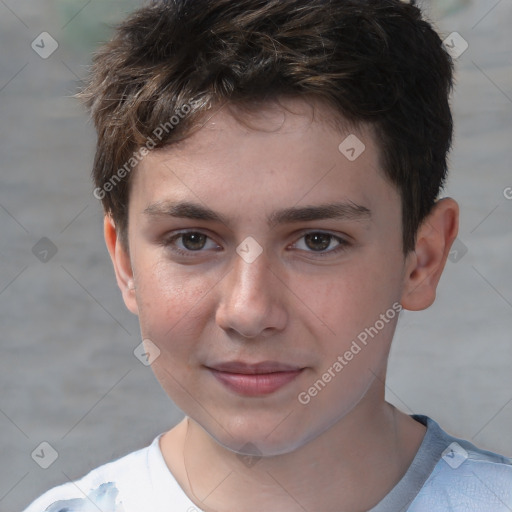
x: 104, y: 488
x: 466, y: 478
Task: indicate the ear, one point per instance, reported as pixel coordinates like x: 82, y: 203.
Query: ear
x: 425, y: 264
x: 122, y: 264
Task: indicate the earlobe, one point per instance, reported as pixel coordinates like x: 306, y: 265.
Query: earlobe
x: 122, y: 264
x: 425, y: 264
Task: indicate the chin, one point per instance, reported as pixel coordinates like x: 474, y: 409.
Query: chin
x: 260, y: 438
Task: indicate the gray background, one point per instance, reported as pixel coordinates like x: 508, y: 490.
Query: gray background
x: 68, y: 374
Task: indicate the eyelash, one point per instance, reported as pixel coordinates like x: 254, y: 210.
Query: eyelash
x: 343, y: 244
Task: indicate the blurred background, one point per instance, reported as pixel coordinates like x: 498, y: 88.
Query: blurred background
x: 69, y: 376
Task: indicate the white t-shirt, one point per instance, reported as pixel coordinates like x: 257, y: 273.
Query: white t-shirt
x: 446, y: 475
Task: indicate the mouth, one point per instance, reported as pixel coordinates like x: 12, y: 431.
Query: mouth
x: 257, y: 379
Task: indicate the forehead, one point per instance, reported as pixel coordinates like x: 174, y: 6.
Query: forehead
x: 254, y: 161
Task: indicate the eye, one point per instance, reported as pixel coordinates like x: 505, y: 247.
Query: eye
x: 321, y: 243
x: 193, y: 241
x: 185, y: 243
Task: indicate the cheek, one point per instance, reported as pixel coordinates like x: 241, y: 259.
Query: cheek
x: 171, y: 301
x: 353, y: 298
x: 351, y: 303
x: 172, y: 314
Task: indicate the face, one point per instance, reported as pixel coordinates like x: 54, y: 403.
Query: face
x: 265, y: 266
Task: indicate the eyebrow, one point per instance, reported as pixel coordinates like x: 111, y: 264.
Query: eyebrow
x: 184, y: 209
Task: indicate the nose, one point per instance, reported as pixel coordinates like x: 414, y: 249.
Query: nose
x: 252, y: 300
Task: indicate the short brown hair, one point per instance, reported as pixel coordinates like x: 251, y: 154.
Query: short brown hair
x: 373, y: 61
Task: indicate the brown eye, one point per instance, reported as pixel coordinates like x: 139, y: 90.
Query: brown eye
x: 193, y: 241
x: 318, y: 241
x: 321, y: 244
x: 190, y: 244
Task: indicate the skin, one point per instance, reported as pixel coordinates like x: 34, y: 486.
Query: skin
x: 347, y: 447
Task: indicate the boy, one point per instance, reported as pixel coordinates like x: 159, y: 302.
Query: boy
x: 270, y: 173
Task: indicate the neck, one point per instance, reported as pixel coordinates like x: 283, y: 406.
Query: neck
x: 356, y: 463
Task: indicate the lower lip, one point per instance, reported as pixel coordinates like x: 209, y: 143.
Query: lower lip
x: 255, y: 384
